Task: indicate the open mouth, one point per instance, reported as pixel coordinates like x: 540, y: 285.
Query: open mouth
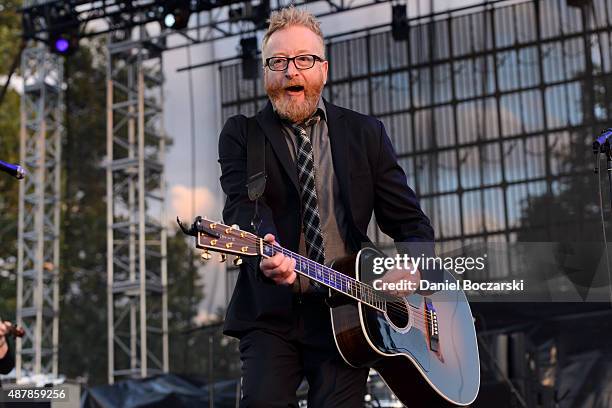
x: 295, y: 88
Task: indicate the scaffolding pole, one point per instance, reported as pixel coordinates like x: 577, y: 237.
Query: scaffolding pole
x: 42, y: 112
x: 136, y: 212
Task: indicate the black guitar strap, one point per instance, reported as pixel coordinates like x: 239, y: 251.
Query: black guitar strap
x: 256, y: 167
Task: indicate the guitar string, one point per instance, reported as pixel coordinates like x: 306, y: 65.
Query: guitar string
x: 390, y: 303
x: 354, y: 285
x: 322, y: 272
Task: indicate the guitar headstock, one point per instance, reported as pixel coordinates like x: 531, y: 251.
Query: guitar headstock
x: 218, y: 237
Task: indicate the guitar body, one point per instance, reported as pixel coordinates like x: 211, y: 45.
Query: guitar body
x: 424, y: 347
x: 422, y: 368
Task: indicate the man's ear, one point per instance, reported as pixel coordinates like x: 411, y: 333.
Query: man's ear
x: 325, y: 68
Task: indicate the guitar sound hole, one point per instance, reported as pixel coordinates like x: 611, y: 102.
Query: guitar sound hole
x: 397, y: 313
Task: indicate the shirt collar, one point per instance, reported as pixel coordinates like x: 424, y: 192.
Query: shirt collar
x: 321, y: 109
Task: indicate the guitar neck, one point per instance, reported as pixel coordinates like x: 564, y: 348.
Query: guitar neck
x: 222, y: 238
x: 329, y: 277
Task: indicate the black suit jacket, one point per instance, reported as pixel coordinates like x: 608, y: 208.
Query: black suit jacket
x: 370, y: 181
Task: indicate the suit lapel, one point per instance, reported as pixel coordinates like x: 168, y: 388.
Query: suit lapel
x: 270, y: 124
x: 338, y: 136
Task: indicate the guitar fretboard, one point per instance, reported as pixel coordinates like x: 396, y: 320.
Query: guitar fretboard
x: 331, y: 278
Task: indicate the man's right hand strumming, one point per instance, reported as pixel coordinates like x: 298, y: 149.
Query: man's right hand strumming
x: 279, y: 268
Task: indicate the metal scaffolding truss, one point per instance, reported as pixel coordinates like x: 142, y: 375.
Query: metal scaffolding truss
x: 221, y: 23
x: 136, y: 235
x: 42, y: 110
x: 215, y: 19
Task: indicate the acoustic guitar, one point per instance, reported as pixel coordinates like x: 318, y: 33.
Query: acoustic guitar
x: 424, y: 347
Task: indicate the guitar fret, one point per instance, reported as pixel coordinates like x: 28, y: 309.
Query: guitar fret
x: 330, y: 277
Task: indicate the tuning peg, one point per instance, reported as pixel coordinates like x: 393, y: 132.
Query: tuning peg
x: 238, y: 261
x: 205, y: 256
x: 223, y: 258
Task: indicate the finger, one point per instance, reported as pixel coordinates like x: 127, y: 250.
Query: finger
x: 288, y: 275
x: 274, y: 272
x: 287, y: 265
x: 279, y: 276
x: 269, y: 238
x: 267, y: 269
x: 271, y: 273
x: 273, y: 262
x: 291, y: 277
x: 280, y: 267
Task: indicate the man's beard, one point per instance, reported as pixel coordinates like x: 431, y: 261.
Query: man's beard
x: 290, y: 110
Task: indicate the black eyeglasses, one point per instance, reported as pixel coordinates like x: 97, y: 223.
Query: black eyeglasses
x: 301, y: 62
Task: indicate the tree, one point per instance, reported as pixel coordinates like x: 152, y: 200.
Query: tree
x: 10, y: 33
x: 9, y: 151
x: 83, y: 336
x: 83, y: 231
x: 83, y: 282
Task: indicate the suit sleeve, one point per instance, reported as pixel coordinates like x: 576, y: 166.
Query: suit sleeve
x: 397, y: 209
x: 238, y: 208
x: 8, y: 362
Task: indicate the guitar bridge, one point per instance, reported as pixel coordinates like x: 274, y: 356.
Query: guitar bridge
x: 432, y: 325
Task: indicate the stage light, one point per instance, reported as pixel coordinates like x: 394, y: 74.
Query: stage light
x: 64, y: 28
x: 62, y: 45
x: 258, y: 14
x: 579, y: 3
x: 176, y: 14
x: 236, y: 14
x: 400, y: 29
x: 169, y: 20
x: 250, y: 62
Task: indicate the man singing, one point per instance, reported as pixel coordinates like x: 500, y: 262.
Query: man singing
x: 328, y: 170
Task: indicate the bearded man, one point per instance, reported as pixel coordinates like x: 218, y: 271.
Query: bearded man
x: 328, y: 169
